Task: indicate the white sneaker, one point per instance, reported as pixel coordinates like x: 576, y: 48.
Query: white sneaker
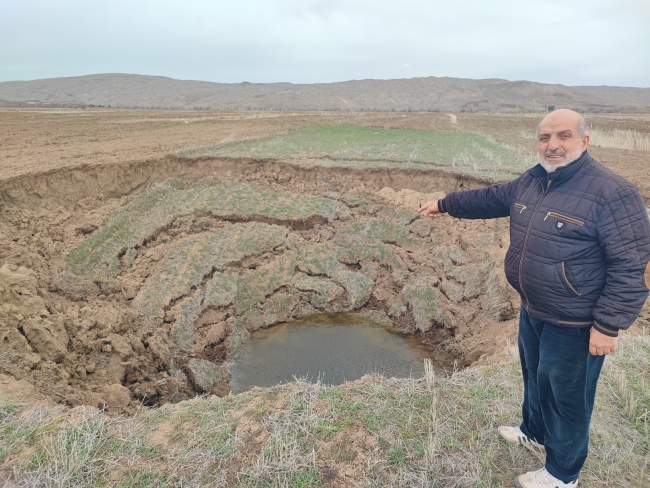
x: 514, y: 435
x: 541, y: 479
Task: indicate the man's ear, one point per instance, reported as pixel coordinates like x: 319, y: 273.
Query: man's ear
x: 585, y: 141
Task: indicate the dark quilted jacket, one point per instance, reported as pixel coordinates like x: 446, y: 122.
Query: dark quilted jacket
x: 579, y: 242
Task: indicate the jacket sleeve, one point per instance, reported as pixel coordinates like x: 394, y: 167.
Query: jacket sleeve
x: 486, y: 203
x: 624, y: 234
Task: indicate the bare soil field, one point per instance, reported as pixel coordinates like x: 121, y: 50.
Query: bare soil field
x: 91, y: 232
x: 35, y: 141
x: 139, y: 249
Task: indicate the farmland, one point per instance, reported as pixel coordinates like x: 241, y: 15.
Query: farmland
x: 140, y: 249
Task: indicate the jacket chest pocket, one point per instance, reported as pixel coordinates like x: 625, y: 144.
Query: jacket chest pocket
x: 520, y: 207
x: 561, y: 222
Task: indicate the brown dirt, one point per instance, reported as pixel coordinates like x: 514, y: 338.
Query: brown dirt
x: 34, y: 141
x: 64, y: 174
x: 87, y: 345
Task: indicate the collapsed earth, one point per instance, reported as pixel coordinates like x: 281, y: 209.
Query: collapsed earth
x: 139, y: 250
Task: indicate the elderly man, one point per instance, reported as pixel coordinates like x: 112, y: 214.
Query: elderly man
x: 579, y: 247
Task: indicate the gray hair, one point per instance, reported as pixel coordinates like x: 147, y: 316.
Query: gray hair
x: 583, y: 129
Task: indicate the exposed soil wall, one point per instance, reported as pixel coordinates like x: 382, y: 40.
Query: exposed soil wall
x: 68, y: 185
x: 101, y: 337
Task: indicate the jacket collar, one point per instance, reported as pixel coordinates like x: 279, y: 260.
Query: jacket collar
x: 564, y: 173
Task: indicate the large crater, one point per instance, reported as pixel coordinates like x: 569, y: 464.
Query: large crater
x: 124, y: 286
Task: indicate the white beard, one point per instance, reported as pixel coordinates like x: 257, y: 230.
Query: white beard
x: 568, y: 159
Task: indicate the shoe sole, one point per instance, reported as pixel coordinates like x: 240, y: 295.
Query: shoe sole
x: 519, y: 485
x: 531, y: 446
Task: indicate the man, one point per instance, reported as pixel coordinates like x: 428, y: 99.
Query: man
x: 579, y: 247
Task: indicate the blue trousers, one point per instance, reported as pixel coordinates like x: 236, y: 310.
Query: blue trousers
x: 560, y: 377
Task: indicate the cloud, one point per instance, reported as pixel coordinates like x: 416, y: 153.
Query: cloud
x: 553, y: 41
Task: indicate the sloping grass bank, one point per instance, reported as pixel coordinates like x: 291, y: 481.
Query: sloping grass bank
x: 372, y: 147
x: 372, y: 432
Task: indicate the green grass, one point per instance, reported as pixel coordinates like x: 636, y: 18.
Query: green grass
x: 372, y: 231
x: 373, y: 432
x: 425, y: 302
x: 192, y: 259
x: 356, y: 146
x: 357, y: 285
x: 188, y: 311
x: 325, y: 290
x: 172, y: 201
x: 221, y: 290
x: 378, y: 252
x: 255, y: 286
x: 206, y: 373
x: 319, y: 259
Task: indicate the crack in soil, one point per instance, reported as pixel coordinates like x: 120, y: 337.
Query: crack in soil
x: 83, y: 341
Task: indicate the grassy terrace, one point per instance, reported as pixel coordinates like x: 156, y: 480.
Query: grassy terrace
x: 99, y: 254
x: 373, y: 432
x: 368, y: 147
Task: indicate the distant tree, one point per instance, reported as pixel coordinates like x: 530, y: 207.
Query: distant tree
x: 551, y: 108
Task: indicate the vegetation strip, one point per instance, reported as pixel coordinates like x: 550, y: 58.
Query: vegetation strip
x: 370, y: 147
x: 372, y: 432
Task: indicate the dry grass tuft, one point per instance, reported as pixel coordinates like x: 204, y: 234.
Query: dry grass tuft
x: 616, y: 138
x: 430, y: 431
x: 620, y: 139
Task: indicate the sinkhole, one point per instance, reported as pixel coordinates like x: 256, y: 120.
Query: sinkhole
x: 162, y: 289
x: 328, y: 348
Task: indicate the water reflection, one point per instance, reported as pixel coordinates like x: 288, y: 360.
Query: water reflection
x: 333, y: 347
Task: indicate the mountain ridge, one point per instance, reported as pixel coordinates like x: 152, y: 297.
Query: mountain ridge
x: 408, y: 94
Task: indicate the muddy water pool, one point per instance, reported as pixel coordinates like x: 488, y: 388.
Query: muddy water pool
x: 331, y: 347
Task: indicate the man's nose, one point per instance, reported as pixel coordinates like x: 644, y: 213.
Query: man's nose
x: 553, y: 142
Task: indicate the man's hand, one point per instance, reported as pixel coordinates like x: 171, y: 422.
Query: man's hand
x: 601, y: 344
x: 430, y: 209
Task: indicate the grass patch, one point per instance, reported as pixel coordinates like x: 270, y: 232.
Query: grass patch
x: 325, y: 290
x: 99, y: 255
x: 319, y: 259
x: 255, y: 286
x: 377, y: 252
x: 221, y: 290
x: 372, y: 231
x: 192, y: 259
x: 357, y: 285
x: 356, y: 146
x: 187, y: 313
x: 423, y: 298
x: 373, y: 432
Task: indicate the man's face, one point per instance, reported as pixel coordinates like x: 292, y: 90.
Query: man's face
x: 559, y: 141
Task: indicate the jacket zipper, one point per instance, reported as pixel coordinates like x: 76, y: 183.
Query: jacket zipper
x: 520, y: 206
x: 568, y: 282
x: 564, y: 217
x: 523, y: 249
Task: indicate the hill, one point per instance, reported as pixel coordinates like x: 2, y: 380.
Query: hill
x: 415, y: 94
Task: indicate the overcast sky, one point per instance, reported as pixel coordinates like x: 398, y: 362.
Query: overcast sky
x: 574, y: 42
